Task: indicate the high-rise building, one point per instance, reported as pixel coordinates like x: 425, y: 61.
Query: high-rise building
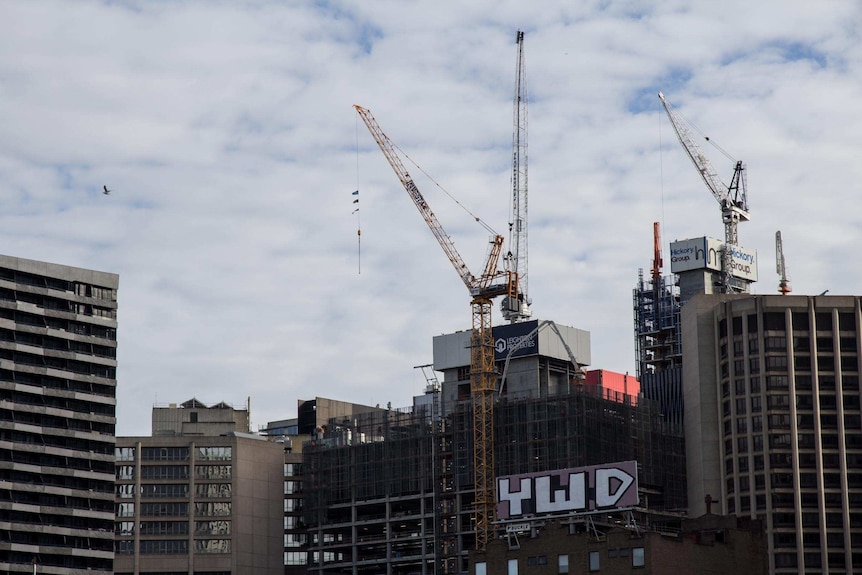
x: 58, y: 343
x: 773, y: 422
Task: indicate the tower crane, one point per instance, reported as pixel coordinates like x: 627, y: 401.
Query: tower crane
x: 780, y: 268
x: 732, y: 198
x: 516, y: 307
x: 483, y: 290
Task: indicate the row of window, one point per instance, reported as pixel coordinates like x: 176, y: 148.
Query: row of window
x: 800, y: 321
x: 636, y: 555
x: 171, y: 546
x: 211, y: 527
x: 127, y: 472
x: 210, y: 508
x: 173, y: 454
x: 176, y: 490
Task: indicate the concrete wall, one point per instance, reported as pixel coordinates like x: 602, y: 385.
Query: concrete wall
x: 700, y: 398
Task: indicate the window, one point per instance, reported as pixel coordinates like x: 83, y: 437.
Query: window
x: 165, y: 490
x: 594, y: 561
x: 562, y: 564
x: 163, y: 509
x: 214, y: 527
x: 164, y: 453
x: 638, y: 559
x: 125, y: 472
x: 164, y: 528
x: 212, y: 509
x: 124, y: 453
x: 125, y: 491
x: 214, y: 453
x: 212, y: 546
x: 213, y: 490
x: 513, y: 567
x: 164, y: 472
x: 213, y: 471
x: 299, y: 558
x: 164, y: 547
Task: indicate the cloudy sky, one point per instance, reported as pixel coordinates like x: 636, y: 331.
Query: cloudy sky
x: 227, y: 133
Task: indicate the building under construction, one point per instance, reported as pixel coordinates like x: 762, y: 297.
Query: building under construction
x: 392, y: 491
x: 658, y: 343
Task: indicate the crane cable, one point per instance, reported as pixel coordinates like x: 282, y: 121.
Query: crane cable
x: 356, y: 211
x: 488, y: 228
x: 705, y: 137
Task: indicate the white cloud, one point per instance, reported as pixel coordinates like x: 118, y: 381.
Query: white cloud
x: 227, y: 133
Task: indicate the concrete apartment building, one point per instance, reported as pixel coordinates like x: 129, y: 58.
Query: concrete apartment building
x: 200, y: 504
x: 773, y: 422
x: 58, y: 343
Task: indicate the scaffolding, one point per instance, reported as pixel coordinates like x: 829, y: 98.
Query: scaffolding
x: 658, y: 343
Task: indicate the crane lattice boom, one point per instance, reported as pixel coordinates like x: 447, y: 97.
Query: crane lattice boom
x: 483, y: 376
x: 732, y: 198
x: 515, y: 307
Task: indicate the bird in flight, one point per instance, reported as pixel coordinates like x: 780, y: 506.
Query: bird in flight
x: 107, y: 191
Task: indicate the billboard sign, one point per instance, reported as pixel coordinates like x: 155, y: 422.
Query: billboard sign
x: 574, y: 490
x: 743, y: 263
x: 705, y: 253
x: 521, y: 337
x: 695, y: 254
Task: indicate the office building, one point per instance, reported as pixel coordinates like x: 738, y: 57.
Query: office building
x: 199, y: 505
x: 58, y: 344
x: 773, y: 422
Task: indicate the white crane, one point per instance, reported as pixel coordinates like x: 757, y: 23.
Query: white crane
x: 517, y: 308
x: 732, y: 198
x: 780, y: 268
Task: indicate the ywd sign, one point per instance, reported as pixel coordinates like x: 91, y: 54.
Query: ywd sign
x: 568, y: 490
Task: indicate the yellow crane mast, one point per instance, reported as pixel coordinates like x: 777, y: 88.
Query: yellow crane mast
x: 483, y: 290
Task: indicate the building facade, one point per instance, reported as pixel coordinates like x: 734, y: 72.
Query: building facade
x: 773, y: 422
x: 579, y: 545
x: 58, y: 344
x: 199, y: 505
x: 193, y: 417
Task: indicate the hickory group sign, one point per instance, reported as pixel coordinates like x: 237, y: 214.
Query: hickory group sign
x: 574, y: 490
x: 705, y: 253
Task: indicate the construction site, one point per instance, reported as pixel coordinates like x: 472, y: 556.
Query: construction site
x: 412, y: 491
x: 393, y: 491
